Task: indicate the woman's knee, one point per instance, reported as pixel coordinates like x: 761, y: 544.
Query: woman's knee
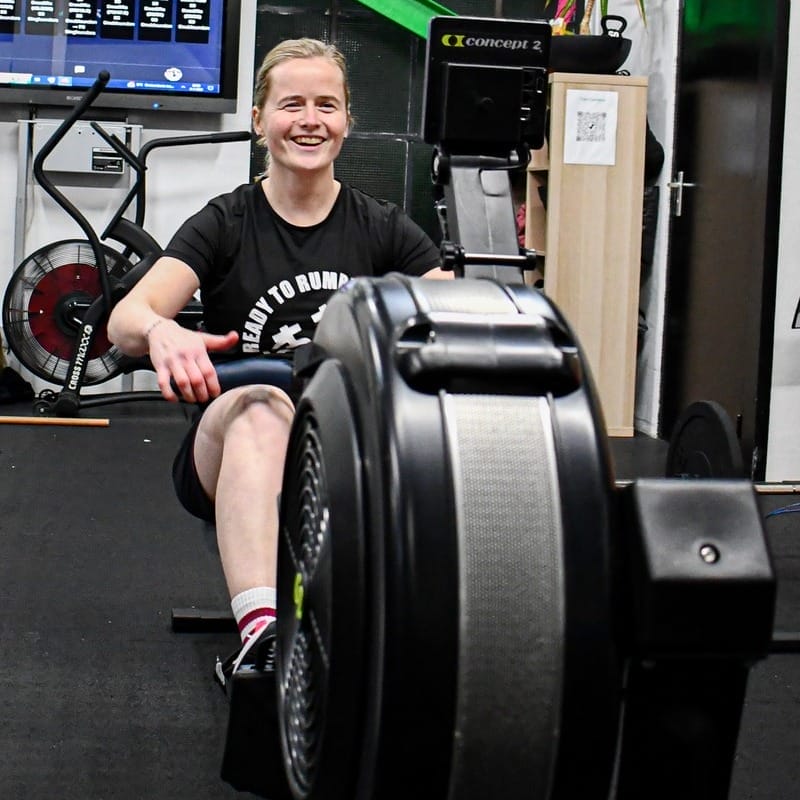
x: 246, y: 425
x: 258, y: 413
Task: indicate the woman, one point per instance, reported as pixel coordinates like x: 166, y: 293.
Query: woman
x: 265, y: 257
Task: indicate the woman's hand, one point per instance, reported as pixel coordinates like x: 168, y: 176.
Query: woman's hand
x: 180, y: 358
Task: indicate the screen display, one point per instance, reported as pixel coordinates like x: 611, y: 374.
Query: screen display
x: 159, y: 51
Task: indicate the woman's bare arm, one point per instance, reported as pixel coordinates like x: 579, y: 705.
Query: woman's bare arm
x: 143, y: 323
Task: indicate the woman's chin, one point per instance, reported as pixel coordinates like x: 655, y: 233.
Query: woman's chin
x: 308, y: 161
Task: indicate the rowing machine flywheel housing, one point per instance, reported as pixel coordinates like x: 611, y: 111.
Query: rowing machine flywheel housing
x: 445, y: 554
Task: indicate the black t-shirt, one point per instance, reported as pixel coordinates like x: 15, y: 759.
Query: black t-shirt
x: 269, y: 280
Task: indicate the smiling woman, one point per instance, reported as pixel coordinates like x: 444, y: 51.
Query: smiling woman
x: 323, y: 89
x: 303, y: 123
x: 266, y: 258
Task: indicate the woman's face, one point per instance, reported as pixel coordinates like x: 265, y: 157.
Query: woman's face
x: 304, y: 118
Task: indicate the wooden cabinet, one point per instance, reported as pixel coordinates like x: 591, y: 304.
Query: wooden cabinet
x: 591, y: 232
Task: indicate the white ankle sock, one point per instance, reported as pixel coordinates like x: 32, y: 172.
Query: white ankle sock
x: 253, y: 608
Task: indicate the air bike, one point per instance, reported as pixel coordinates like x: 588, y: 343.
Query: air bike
x: 469, y: 606
x: 58, y: 300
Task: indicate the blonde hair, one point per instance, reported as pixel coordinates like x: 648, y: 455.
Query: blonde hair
x: 297, y: 48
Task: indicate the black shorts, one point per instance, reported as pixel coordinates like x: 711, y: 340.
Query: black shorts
x: 184, y: 475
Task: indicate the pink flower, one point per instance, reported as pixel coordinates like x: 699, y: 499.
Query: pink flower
x: 566, y: 10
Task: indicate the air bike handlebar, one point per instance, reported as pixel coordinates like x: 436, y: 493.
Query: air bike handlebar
x: 38, y: 170
x: 86, y: 101
x: 129, y: 232
x: 138, y: 163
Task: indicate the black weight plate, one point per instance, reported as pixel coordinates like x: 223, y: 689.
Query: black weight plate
x: 704, y: 444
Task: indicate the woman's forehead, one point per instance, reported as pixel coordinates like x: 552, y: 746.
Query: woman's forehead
x: 301, y: 75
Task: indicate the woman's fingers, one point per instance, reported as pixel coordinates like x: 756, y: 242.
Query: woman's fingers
x: 182, y: 364
x: 196, y: 379
x: 217, y: 343
x: 169, y: 389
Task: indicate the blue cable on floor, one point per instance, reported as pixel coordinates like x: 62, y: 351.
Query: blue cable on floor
x: 790, y: 509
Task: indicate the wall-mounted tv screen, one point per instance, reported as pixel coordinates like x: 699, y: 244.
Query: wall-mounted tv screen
x: 175, y: 55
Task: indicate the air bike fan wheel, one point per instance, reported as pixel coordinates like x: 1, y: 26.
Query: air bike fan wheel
x: 44, y: 305
x: 445, y: 553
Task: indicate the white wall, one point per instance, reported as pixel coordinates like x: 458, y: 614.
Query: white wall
x: 179, y: 180
x: 783, y: 444
x: 653, y: 54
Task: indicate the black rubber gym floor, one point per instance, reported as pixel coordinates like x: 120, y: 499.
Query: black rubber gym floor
x: 101, y: 700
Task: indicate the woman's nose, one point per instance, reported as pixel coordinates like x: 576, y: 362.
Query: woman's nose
x: 310, y: 114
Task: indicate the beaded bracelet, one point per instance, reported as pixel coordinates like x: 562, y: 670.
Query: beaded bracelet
x: 150, y: 327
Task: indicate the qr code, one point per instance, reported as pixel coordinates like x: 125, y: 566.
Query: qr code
x: 591, y: 126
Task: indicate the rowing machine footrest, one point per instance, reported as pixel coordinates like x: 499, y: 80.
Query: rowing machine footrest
x: 252, y: 760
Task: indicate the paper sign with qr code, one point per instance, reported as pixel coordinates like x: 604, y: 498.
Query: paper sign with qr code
x: 590, y: 127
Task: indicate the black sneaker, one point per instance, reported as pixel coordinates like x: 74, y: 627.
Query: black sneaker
x: 255, y: 654
x: 252, y: 760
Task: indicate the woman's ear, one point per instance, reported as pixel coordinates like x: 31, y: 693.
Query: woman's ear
x: 255, y: 119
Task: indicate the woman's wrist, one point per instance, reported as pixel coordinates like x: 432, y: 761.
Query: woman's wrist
x: 151, y: 327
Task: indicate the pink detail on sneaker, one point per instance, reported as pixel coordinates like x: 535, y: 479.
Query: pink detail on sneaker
x: 250, y: 638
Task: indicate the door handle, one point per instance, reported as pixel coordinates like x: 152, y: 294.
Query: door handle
x: 678, y: 185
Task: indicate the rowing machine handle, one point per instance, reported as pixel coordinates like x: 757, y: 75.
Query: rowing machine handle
x: 252, y: 370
